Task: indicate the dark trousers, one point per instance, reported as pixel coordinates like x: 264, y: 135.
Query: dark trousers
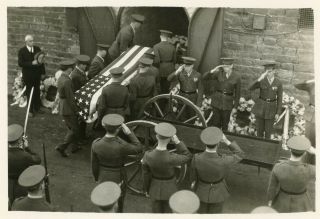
x: 210, y: 208
x: 220, y: 118
x: 164, y: 85
x: 35, y: 83
x: 82, y: 129
x: 160, y: 206
x: 311, y: 135
x: 264, y: 127
x: 15, y: 191
x: 73, y: 133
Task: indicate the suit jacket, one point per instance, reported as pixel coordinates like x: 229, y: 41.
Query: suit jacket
x: 264, y: 109
x: 290, y: 176
x: 231, y: 86
x: 158, y: 170
x: 309, y: 112
x: 165, y: 57
x: 25, y: 59
x: 97, y: 65
x: 108, y: 156
x: 209, y: 171
x: 123, y: 41
x: 31, y: 204
x: 78, y: 78
x: 67, y: 103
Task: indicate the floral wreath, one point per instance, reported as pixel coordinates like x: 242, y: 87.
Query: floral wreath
x: 18, y: 91
x: 44, y: 87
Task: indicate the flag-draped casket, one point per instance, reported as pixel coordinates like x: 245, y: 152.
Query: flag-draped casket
x: 87, y: 96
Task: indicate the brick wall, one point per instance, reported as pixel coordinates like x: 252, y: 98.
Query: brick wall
x: 293, y: 51
x: 51, y: 34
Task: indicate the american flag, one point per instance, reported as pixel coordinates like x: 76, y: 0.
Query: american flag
x: 87, y: 96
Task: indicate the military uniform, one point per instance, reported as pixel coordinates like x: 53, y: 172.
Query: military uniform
x: 98, y: 63
x: 142, y: 88
x: 184, y: 202
x: 289, y: 179
x: 105, y: 196
x: 78, y: 76
x: 226, y: 95
x: 108, y: 155
x: 154, y: 70
x: 268, y: 105
x: 68, y: 110
x: 209, y: 170
x: 158, y: 169
x: 124, y: 39
x: 165, y: 59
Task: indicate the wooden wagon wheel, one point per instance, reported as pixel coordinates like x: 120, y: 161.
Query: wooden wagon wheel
x: 170, y: 107
x: 144, y: 130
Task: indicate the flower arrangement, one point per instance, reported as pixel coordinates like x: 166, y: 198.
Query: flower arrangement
x: 48, y: 86
x: 18, y: 91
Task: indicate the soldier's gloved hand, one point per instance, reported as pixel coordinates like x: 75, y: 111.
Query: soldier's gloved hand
x: 262, y: 76
x: 225, y: 140
x: 175, y: 139
x: 25, y: 141
x: 276, y: 117
x: 215, y: 69
x: 125, y: 129
x: 179, y: 69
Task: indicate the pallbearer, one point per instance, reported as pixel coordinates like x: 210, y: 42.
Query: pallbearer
x: 105, y: 196
x: 287, y: 191
x: 269, y: 105
x: 184, y: 202
x: 226, y: 93
x: 165, y: 59
x: 78, y: 75
x: 153, y: 69
x: 99, y: 62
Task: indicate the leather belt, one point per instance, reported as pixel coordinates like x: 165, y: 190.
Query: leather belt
x: 225, y: 93
x: 112, y: 167
x: 293, y: 193
x: 214, y: 182
x: 163, y: 178
x: 188, y: 92
x: 268, y: 99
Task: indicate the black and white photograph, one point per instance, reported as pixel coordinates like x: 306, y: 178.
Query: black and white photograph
x: 150, y: 108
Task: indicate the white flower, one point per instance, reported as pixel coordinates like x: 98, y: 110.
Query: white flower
x: 242, y: 100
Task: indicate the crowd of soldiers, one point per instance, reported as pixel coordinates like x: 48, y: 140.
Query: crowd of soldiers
x: 119, y: 102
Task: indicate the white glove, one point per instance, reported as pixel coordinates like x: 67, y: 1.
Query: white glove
x: 125, y: 129
x: 262, y: 76
x: 225, y: 140
x: 175, y: 139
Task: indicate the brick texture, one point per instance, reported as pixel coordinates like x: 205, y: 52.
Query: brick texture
x: 51, y: 34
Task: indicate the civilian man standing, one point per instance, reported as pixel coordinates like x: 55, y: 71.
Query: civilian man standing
x: 31, y: 73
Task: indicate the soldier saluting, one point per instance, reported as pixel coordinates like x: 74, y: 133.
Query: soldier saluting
x: 268, y: 107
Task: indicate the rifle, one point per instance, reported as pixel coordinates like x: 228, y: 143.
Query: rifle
x: 27, y: 116
x: 46, y: 178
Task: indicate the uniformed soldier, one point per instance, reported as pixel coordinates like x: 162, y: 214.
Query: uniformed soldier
x: 263, y: 210
x: 142, y: 87
x: 153, y: 69
x: 165, y: 59
x: 158, y: 166
x: 209, y: 169
x: 99, y: 62
x: 108, y: 153
x: 105, y: 196
x: 269, y: 105
x: 226, y: 94
x: 19, y: 158
x: 78, y: 75
x: 124, y: 39
x: 287, y: 190
x: 114, y: 97
x: 32, y: 179
x: 184, y: 202
x: 190, y: 81
x: 68, y: 109
x: 309, y: 115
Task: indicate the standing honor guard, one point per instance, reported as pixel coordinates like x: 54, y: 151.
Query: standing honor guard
x: 209, y: 169
x: 158, y: 167
x: 153, y: 69
x: 108, y: 153
x: 287, y: 191
x: 184, y: 202
x: 20, y: 157
x: 125, y: 36
x: 105, y: 196
x: 32, y: 179
x: 269, y: 105
x: 165, y: 59
x: 226, y: 93
x: 190, y: 81
x: 101, y: 60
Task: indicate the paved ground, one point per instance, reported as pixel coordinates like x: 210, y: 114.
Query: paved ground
x: 71, y: 180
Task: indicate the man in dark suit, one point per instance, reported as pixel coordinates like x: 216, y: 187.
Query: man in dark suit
x: 226, y: 95
x: 101, y: 60
x: 165, y: 59
x: 108, y: 153
x: 32, y: 179
x: 142, y: 87
x: 19, y: 158
x: 209, y: 169
x: 269, y: 105
x: 31, y: 73
x: 68, y: 109
x: 124, y: 39
x: 158, y: 166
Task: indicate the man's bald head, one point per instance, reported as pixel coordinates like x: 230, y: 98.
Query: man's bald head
x: 29, y: 40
